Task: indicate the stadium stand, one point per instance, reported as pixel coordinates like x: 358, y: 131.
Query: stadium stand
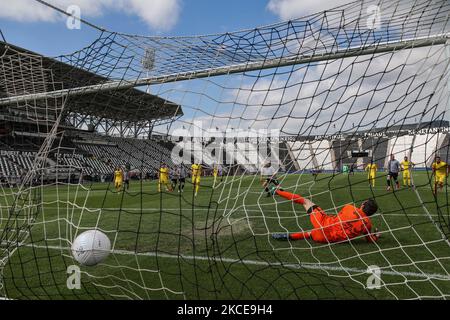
x: 322, y: 151
x: 343, y: 148
x: 286, y: 160
x: 425, y: 147
x: 96, y: 155
x: 377, y: 148
x: 301, y: 151
x: 444, y: 148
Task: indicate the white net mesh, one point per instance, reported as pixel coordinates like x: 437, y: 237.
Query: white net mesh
x: 312, y: 92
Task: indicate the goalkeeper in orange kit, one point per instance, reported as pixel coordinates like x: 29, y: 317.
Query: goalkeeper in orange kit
x: 349, y: 223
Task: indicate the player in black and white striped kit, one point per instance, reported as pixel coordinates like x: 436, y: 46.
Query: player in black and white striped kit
x: 126, y: 179
x: 179, y: 177
x: 393, y: 169
x: 268, y: 177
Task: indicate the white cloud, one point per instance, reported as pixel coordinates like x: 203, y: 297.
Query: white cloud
x: 22, y: 10
x: 291, y: 9
x: 157, y: 14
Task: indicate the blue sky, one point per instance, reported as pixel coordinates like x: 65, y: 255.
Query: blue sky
x: 33, y: 26
x: 196, y: 17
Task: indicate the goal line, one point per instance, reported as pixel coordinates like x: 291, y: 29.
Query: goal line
x: 308, y: 266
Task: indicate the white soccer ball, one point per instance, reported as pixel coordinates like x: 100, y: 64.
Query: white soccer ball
x: 91, y: 247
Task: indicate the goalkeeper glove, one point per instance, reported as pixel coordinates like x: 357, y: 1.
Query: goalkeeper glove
x: 273, y: 190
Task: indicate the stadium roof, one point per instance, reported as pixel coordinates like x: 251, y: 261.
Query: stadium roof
x: 25, y: 72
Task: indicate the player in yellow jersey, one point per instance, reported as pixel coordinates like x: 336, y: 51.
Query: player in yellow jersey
x: 215, y: 173
x: 118, y: 178
x: 163, y: 178
x: 371, y: 169
x: 196, y: 174
x: 440, y: 171
x: 406, y: 166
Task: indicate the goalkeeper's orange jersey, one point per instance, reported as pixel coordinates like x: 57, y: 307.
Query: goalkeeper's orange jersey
x: 349, y: 223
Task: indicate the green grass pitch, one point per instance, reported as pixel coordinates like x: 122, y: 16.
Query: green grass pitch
x: 218, y: 245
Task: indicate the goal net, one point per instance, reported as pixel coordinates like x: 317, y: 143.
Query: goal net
x: 310, y: 102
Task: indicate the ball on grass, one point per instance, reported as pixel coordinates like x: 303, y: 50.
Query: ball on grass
x: 91, y: 247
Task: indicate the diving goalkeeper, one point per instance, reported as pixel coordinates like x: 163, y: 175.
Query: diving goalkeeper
x: 349, y: 223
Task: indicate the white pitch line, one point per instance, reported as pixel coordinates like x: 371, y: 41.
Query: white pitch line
x: 310, y: 266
